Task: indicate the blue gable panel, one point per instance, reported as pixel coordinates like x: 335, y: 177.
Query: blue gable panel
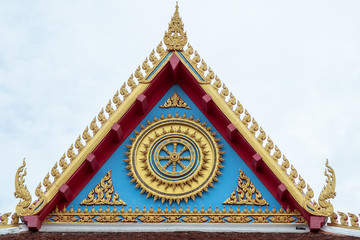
x: 214, y: 198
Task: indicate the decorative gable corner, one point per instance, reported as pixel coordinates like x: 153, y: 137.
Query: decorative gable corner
x: 245, y: 193
x: 103, y: 193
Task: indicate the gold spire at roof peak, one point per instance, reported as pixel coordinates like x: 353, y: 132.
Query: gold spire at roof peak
x: 175, y: 38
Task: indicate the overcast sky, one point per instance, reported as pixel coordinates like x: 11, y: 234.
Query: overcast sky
x: 295, y: 65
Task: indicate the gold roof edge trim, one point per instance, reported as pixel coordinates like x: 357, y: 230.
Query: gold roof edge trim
x: 86, y: 142
x: 256, y: 136
x: 349, y: 220
x: 172, y: 216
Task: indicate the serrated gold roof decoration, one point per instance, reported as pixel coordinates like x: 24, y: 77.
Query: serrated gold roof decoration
x: 175, y: 38
x: 261, y: 142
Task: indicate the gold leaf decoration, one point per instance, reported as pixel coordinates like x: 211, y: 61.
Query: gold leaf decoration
x: 175, y: 101
x: 123, y: 91
x: 70, y: 153
x: 93, y: 126
x: 189, y: 51
x: 117, y: 100
x: 202, y: 68
x: 343, y: 219
x: 21, y: 191
x: 160, y: 50
x: 354, y: 220
x: 232, y: 101
x: 173, y: 216
x: 15, y: 219
x: 217, y: 84
x: 270, y: 145
x: 131, y: 83
x: 86, y: 136
x: 101, y: 117
x: 146, y: 67
x: 195, y: 60
x: 55, y: 172
x: 175, y: 38
x: 262, y: 136
x: 328, y: 191
x: 224, y: 92
x: 246, y: 193
x: 62, y: 163
x: 285, y: 164
x: 293, y: 174
x: 301, y: 184
x: 324, y: 207
x: 138, y: 75
x: 153, y: 59
x: 277, y: 154
x: 210, y: 76
x: 246, y: 119
x: 109, y: 109
x: 309, y: 194
x: 5, y: 218
x: 103, y: 193
x: 254, y: 127
x: 78, y: 144
x: 46, y: 182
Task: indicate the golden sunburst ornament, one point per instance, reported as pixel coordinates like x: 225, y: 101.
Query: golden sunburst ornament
x: 174, y: 158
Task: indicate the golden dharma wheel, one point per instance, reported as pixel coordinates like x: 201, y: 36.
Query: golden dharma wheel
x: 174, y: 158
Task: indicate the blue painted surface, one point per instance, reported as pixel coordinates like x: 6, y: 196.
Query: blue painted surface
x: 215, y: 197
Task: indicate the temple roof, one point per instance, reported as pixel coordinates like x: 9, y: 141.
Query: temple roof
x: 178, y: 60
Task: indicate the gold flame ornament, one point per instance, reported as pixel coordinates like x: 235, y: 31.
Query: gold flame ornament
x: 21, y: 191
x: 246, y: 193
x: 175, y: 38
x: 324, y: 207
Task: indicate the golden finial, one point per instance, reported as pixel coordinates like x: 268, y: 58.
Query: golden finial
x: 175, y: 38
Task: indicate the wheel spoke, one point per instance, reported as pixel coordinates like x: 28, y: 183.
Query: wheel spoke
x: 163, y: 157
x: 182, y: 150
x: 181, y: 165
x: 174, y: 147
x: 166, y: 164
x: 185, y: 158
x: 166, y: 150
x: 174, y: 167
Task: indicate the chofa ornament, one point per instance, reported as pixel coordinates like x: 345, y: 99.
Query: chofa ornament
x: 175, y: 38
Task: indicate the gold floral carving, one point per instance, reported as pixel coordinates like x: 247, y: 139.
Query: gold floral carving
x: 103, y: 193
x: 175, y: 101
x: 179, y: 217
x: 246, y: 193
x: 175, y: 38
x: 174, y: 158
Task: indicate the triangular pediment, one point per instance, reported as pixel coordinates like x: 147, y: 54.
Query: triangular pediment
x: 175, y: 141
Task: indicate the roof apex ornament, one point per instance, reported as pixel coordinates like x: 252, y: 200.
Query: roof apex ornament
x: 175, y: 38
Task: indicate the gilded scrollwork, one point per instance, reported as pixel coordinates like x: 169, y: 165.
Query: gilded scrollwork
x: 103, y: 193
x: 246, y: 193
x: 175, y: 101
x: 179, y: 217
